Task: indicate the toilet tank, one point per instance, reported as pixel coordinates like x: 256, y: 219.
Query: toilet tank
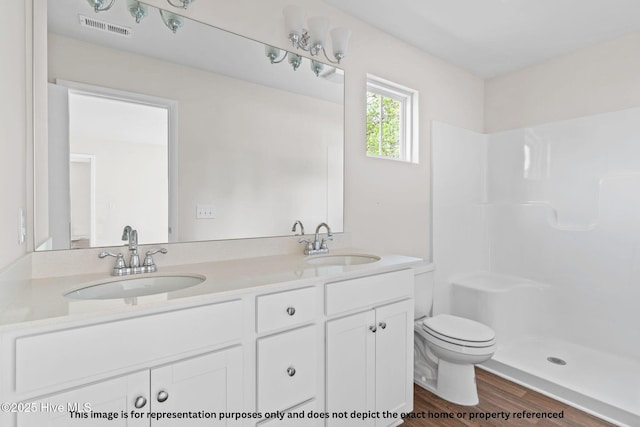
x: 423, y: 292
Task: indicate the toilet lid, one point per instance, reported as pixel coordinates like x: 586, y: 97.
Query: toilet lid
x: 458, y: 328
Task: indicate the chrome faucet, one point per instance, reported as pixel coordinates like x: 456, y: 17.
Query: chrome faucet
x: 120, y: 268
x: 295, y: 225
x: 132, y: 236
x: 318, y: 246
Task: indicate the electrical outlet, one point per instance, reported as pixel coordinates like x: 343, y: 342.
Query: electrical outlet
x: 205, y: 212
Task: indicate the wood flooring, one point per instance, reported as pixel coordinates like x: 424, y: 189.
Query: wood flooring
x: 497, y: 397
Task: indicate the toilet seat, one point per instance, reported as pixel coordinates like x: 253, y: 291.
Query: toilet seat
x: 458, y: 331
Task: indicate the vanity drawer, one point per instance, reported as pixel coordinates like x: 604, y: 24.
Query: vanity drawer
x: 287, y: 369
x: 73, y: 354
x: 368, y: 291
x: 285, y: 309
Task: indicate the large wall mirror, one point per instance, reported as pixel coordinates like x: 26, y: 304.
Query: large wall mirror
x: 186, y: 136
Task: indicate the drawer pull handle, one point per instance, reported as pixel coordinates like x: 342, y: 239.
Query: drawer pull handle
x: 383, y: 325
x: 140, y: 402
x: 163, y: 396
x: 373, y: 328
x: 291, y: 311
x: 291, y: 371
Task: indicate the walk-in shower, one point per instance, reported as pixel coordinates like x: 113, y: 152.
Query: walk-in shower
x: 537, y: 234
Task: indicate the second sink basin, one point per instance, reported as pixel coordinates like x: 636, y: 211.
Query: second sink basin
x: 351, y: 259
x: 136, y: 287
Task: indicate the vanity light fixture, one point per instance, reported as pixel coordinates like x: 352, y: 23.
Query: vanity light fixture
x: 139, y: 11
x: 313, y: 39
x: 99, y: 5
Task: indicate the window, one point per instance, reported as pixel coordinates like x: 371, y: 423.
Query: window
x: 391, y: 120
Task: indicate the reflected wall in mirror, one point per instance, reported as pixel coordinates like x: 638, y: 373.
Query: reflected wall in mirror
x: 169, y: 123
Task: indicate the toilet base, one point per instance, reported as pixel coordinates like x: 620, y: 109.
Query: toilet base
x: 457, y: 383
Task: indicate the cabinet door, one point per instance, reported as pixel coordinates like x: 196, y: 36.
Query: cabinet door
x: 394, y: 359
x: 350, y: 372
x: 211, y: 383
x: 109, y: 402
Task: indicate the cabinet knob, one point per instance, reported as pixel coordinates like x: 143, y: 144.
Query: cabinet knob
x: 291, y: 311
x: 291, y: 371
x: 140, y: 402
x: 163, y: 396
x: 383, y: 325
x: 373, y: 328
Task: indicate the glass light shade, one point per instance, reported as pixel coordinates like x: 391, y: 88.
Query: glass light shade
x: 171, y: 20
x: 316, y: 67
x: 318, y: 28
x: 293, y: 19
x: 271, y: 52
x: 137, y: 10
x: 100, y: 5
x: 295, y: 60
x: 340, y: 41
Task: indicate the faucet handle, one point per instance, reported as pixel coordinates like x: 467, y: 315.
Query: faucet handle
x: 309, y: 247
x: 120, y: 267
x: 155, y: 251
x: 119, y: 258
x: 323, y: 243
x: 148, y: 264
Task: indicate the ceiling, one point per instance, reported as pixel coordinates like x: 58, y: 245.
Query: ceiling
x: 494, y: 37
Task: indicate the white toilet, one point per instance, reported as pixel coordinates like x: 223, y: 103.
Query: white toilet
x: 446, y: 349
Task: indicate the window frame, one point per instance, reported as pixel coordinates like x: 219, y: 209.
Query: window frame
x: 408, y: 99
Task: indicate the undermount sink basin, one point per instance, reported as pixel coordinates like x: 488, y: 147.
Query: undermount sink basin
x: 135, y: 287
x: 352, y: 259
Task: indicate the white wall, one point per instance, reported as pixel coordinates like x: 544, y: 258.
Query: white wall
x: 597, y: 79
x: 14, y: 135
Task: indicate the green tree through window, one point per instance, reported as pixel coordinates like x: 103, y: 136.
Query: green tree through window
x: 383, y: 126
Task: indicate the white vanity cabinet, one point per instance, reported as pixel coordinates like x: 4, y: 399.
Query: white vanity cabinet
x: 208, y: 383
x: 369, y: 354
x: 334, y: 343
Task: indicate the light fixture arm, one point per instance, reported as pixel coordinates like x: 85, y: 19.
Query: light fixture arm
x: 302, y: 40
x: 184, y: 4
x: 338, y: 56
x: 274, y: 61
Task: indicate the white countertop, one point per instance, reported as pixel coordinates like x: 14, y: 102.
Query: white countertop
x: 42, y: 301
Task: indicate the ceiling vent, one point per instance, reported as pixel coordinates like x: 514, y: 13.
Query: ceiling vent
x: 106, y: 27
